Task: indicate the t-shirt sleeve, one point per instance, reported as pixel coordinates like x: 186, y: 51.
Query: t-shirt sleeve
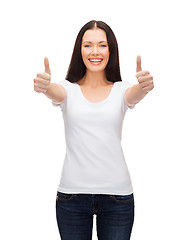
x: 66, y: 84
x: 125, y: 85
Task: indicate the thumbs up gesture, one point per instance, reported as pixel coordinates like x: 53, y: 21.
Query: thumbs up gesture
x: 42, y: 80
x: 144, y: 78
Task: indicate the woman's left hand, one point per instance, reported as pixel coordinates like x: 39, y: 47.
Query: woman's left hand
x: 144, y: 78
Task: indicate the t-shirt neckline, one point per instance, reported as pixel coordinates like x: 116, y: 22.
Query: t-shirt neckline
x: 96, y: 103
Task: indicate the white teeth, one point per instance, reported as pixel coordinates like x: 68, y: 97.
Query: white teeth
x: 95, y: 60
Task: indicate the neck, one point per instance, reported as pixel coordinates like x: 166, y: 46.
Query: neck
x: 95, y: 79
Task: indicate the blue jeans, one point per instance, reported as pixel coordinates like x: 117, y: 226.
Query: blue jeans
x: 74, y: 214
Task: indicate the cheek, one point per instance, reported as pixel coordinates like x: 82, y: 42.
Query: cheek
x: 84, y: 56
x: 85, y: 52
x: 107, y: 58
x: 106, y: 54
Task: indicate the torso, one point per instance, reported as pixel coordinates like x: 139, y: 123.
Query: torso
x: 96, y: 94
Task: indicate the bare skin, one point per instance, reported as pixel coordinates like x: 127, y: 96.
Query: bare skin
x: 94, y: 85
x: 95, y: 94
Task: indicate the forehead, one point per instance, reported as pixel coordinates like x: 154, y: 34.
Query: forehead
x: 94, y: 35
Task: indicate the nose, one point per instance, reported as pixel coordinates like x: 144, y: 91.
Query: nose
x: 95, y: 50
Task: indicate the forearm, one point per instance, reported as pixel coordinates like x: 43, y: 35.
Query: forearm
x: 55, y: 92
x: 135, y: 94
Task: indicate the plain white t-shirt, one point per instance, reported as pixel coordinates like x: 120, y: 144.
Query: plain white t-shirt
x: 94, y: 162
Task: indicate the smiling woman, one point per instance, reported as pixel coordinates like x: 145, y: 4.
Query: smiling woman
x: 93, y: 112
x: 92, y: 101
x: 95, y: 40
x: 94, y: 53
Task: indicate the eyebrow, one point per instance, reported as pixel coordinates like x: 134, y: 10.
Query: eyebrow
x: 91, y: 42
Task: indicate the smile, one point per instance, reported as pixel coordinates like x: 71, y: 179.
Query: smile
x: 95, y: 61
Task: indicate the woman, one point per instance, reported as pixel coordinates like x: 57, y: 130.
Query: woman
x: 93, y: 100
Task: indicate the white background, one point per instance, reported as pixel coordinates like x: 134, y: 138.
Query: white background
x: 155, y: 132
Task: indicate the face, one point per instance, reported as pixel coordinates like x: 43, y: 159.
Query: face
x: 95, y: 50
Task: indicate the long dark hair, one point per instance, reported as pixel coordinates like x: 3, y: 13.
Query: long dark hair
x: 77, y: 68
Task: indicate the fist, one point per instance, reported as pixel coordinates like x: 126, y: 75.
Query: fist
x: 144, y: 78
x: 42, y: 80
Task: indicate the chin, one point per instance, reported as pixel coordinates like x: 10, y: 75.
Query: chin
x: 96, y: 68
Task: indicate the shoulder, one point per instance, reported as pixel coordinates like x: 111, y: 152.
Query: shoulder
x: 125, y: 84
x: 66, y: 84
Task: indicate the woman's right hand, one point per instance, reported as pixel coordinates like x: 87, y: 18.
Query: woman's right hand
x: 43, y: 80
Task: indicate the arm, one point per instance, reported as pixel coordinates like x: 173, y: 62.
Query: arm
x: 56, y: 92
x: 134, y: 94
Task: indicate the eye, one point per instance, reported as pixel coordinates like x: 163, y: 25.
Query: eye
x: 103, y: 45
x: 86, y: 45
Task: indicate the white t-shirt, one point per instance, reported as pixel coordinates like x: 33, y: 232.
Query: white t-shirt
x: 94, y: 162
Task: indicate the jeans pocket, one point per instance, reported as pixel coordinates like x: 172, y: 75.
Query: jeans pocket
x: 65, y: 196
x: 123, y: 198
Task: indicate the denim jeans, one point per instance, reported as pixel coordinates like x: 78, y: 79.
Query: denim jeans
x: 114, y: 216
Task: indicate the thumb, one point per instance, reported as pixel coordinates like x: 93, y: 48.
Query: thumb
x: 46, y: 63
x: 138, y: 68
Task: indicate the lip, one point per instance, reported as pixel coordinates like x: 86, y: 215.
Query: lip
x: 95, y: 63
